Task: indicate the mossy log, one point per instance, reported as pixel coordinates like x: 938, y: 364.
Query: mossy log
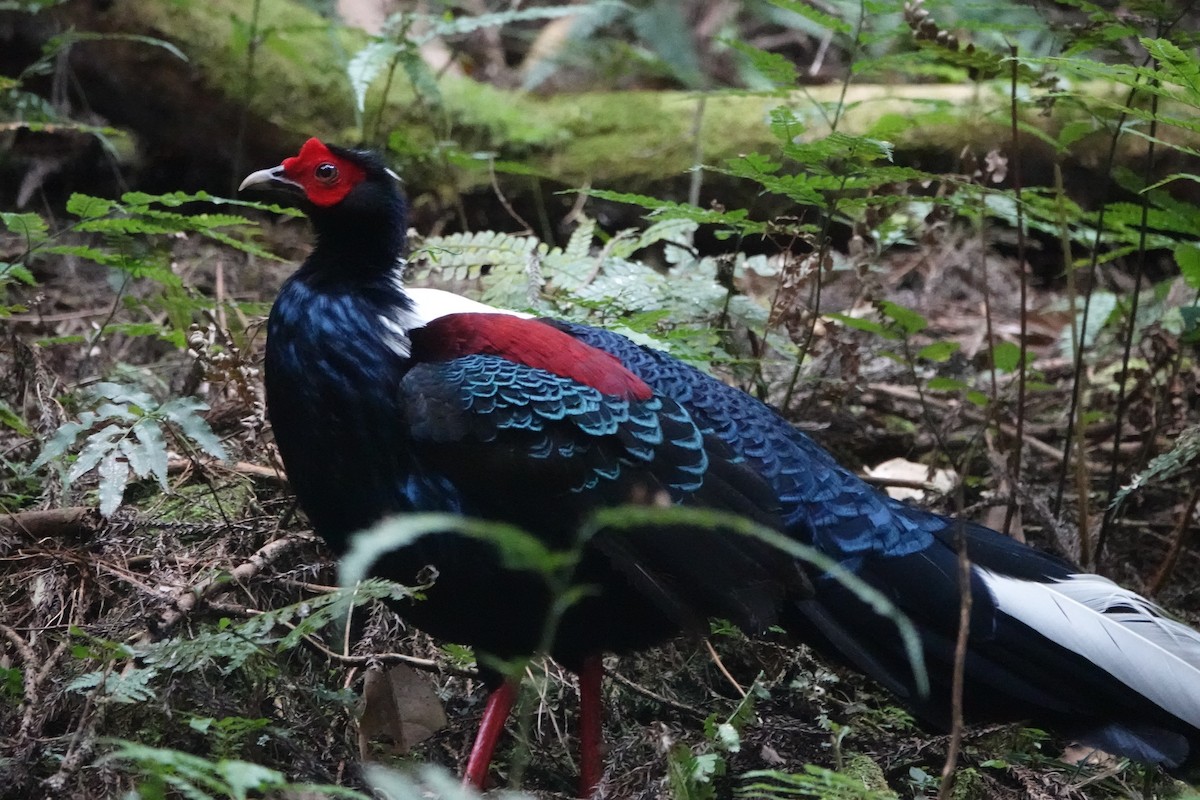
x: 252, y: 89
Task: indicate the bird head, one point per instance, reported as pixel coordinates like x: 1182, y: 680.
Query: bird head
x: 351, y: 196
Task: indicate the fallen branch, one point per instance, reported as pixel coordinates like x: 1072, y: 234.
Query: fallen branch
x: 78, y: 522
x: 179, y: 465
x: 185, y: 599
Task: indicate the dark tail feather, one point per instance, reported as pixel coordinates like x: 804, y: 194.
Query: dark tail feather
x: 1069, y: 652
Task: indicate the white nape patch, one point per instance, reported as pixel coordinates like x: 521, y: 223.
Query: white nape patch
x: 430, y: 304
x: 396, y: 327
x: 1119, y: 631
x: 399, y: 321
x: 427, y: 305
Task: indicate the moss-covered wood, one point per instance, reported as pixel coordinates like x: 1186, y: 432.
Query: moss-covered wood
x: 292, y: 83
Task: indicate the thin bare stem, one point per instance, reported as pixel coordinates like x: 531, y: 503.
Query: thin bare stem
x: 716, y: 658
x: 823, y: 243
x: 1178, y: 539
x: 1014, y: 164
x: 1075, y: 420
x: 1114, y: 473
x: 960, y: 659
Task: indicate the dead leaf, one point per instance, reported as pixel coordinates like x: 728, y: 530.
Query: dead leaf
x: 771, y: 756
x: 904, y: 471
x: 398, y: 705
x: 1076, y: 753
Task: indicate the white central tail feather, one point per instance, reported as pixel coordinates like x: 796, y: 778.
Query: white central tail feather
x: 1119, y: 631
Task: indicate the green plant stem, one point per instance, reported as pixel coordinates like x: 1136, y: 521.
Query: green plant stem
x: 697, y: 177
x: 377, y: 136
x: 823, y: 243
x: 985, y: 283
x: 1130, y: 330
x: 1076, y: 423
x: 559, y: 583
x: 112, y: 313
x: 1092, y: 266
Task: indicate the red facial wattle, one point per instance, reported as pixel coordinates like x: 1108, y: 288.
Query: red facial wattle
x: 325, y: 176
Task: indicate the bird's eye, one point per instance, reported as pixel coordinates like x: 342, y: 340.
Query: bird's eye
x: 326, y: 173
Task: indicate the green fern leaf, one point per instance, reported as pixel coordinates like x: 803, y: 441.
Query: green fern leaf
x: 114, y: 475
x: 580, y: 245
x: 147, y: 453
x: 28, y: 225
x: 58, y: 444
x: 87, y: 206
x: 1181, y: 459
x: 183, y: 411
x: 1179, y: 67
x: 367, y: 65
x: 128, y: 686
x: 97, y: 446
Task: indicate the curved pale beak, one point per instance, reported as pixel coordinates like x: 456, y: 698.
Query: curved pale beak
x: 272, y: 178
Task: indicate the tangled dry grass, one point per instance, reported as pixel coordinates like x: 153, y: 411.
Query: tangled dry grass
x: 84, y: 596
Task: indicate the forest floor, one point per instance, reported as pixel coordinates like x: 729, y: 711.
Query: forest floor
x: 81, y: 595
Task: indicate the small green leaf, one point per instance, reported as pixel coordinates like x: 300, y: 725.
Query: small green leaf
x: 1187, y: 256
x: 196, y: 429
x: 200, y: 724
x: 777, y: 69
x: 940, y: 384
x: 727, y: 738
x: 706, y: 767
x: 119, y: 412
x: 1006, y: 356
x: 12, y: 682
x: 910, y: 321
x: 136, y: 328
x: 17, y: 272
x: 519, y: 550
x: 183, y: 412
x: 1073, y: 132
x: 860, y: 324
x: 97, y: 255
x: 88, y: 207
x: 135, y: 453
x: 12, y: 419
x: 817, y: 15
x: 938, y: 351
x: 28, y: 225
x: 243, y: 777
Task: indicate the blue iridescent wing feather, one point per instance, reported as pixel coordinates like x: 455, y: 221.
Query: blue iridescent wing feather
x: 554, y: 426
x: 823, y: 502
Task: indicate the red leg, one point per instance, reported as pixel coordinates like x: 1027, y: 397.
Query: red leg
x: 495, y: 714
x: 591, y: 718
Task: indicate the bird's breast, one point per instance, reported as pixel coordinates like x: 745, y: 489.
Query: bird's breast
x: 332, y: 377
